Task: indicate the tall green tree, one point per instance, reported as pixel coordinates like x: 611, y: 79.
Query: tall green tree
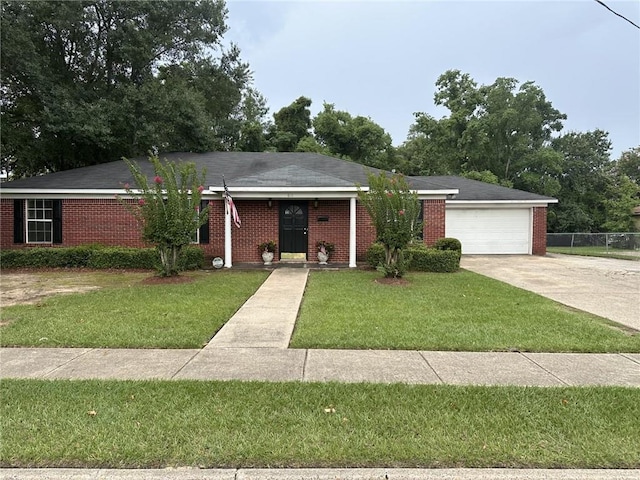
x: 394, y: 210
x: 254, y: 125
x: 584, y: 182
x: 167, y: 208
x: 629, y: 164
x: 357, y: 138
x: 89, y: 82
x: 502, y: 128
x: 292, y: 124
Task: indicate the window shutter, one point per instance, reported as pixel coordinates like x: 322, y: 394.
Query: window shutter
x: 204, y: 229
x: 18, y: 221
x: 57, y: 221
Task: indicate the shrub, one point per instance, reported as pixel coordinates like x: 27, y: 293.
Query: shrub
x: 96, y: 256
x: 448, y: 244
x: 394, y: 210
x: 432, y: 260
x: 375, y: 254
x: 419, y: 258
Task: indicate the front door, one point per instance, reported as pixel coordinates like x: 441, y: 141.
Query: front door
x: 293, y: 227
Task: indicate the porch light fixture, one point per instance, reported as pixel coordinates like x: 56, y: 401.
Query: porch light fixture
x: 269, y: 203
x: 315, y: 203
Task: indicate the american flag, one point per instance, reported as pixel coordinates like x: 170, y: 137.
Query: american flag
x: 231, y: 206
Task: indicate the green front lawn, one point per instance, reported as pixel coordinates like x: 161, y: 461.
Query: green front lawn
x: 126, y: 313
x: 457, y: 311
x: 234, y: 424
x: 597, y: 252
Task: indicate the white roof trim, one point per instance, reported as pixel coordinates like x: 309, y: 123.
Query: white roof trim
x: 236, y: 192
x: 496, y: 203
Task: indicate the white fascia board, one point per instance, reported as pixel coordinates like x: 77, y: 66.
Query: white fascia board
x: 62, y: 193
x: 436, y: 194
x: 71, y: 193
x: 242, y: 190
x: 317, y: 192
x: 289, y: 192
x: 498, y: 203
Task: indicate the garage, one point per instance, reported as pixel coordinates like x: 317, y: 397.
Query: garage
x: 490, y: 230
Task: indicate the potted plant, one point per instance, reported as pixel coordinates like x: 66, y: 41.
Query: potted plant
x: 267, y: 249
x: 324, y: 250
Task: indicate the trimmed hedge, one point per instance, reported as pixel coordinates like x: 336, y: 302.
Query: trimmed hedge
x: 432, y: 260
x: 420, y: 257
x: 448, y: 244
x: 95, y: 256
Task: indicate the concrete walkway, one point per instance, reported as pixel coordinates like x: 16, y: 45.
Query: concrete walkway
x: 267, y: 319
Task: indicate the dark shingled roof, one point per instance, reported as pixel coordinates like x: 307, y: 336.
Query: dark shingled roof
x: 265, y: 169
x: 473, y: 190
x: 240, y: 169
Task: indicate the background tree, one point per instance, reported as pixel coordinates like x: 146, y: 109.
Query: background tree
x: 292, y: 124
x: 584, y: 182
x: 254, y: 125
x: 168, y: 208
x: 355, y: 138
x: 93, y: 81
x: 394, y: 210
x: 498, y: 128
x: 629, y: 164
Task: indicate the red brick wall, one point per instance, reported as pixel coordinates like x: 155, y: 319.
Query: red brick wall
x: 335, y: 230
x: 366, y: 232
x: 6, y: 223
x: 434, y: 218
x: 103, y: 221
x: 107, y: 222
x: 539, y: 244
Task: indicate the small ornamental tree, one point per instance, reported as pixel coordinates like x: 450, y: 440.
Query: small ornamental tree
x: 394, y: 211
x: 167, y: 207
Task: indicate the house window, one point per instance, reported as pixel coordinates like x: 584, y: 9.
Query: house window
x: 419, y: 233
x: 195, y: 238
x: 39, y: 221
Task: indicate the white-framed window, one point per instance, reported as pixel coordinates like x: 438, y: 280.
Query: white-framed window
x: 39, y: 221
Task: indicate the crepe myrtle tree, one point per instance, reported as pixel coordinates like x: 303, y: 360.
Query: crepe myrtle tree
x: 167, y: 208
x: 394, y: 210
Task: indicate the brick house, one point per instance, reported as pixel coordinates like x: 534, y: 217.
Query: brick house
x: 295, y: 199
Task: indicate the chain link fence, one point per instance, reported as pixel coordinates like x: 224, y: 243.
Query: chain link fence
x: 605, y: 242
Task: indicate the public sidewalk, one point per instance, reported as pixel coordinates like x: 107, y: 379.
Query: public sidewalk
x: 253, y: 346
x: 318, y: 474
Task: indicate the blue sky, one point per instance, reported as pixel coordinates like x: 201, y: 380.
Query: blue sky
x: 381, y: 59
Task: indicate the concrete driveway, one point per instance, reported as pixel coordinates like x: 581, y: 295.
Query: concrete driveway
x: 606, y: 287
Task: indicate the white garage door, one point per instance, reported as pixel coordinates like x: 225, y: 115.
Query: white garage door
x: 490, y: 231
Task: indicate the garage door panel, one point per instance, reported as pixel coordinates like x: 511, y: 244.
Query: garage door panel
x: 490, y: 231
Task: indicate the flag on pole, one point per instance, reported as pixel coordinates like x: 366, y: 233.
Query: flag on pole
x: 231, y: 207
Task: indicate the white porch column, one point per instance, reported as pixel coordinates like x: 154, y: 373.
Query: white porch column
x: 352, y: 232
x: 227, y: 236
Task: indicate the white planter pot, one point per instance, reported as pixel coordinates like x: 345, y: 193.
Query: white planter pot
x: 267, y: 257
x: 322, y: 258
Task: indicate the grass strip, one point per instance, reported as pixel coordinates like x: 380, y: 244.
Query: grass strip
x: 460, y: 311
x: 597, y: 252
x: 152, y: 424
x: 130, y: 314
